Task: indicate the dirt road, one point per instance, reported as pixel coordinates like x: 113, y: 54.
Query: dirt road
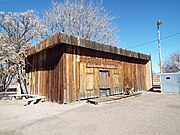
x: 150, y: 114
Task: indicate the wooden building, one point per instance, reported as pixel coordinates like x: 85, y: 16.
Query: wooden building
x: 65, y: 69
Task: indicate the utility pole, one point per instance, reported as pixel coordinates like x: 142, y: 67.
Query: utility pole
x: 159, y: 45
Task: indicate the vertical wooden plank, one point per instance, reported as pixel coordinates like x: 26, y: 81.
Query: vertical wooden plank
x: 40, y: 75
x: 38, y: 83
x: 52, y: 74
x: 33, y: 85
x: 131, y: 81
x: 111, y: 81
x: 145, y: 77
x: 121, y: 77
x: 49, y: 80
x: 74, y: 73
x: 129, y: 74
x: 78, y: 81
x: 64, y: 78
x: 59, y: 80
x: 43, y: 75
x: 56, y: 74
x: 57, y: 83
x: 140, y: 77
x: 137, y: 78
x: 36, y: 77
x: 42, y: 81
x: 67, y: 77
x: 96, y: 82
x: 81, y: 80
x: 134, y: 76
x: 84, y: 76
x: 31, y: 77
x: 90, y: 82
x: 70, y: 76
x: 58, y: 53
x: 125, y: 75
x: 45, y: 84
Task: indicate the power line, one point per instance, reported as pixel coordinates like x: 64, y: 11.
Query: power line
x: 154, y: 41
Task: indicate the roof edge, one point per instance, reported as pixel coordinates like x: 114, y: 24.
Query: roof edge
x: 81, y: 42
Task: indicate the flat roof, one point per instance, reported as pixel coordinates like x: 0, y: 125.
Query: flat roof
x: 62, y: 38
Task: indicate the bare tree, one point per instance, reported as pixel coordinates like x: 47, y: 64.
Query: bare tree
x: 172, y: 63
x: 17, y: 30
x: 86, y: 19
x: 7, y: 68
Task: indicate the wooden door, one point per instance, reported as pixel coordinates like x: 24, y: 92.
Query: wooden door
x: 104, y: 80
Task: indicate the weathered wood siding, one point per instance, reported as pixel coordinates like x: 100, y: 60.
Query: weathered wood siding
x: 45, y: 73
x: 123, y: 71
x: 65, y: 68
x: 67, y: 73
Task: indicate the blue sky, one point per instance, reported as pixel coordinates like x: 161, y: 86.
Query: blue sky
x: 136, y: 19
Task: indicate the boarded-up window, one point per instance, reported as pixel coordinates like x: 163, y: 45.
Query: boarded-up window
x: 89, y: 79
x: 116, y: 80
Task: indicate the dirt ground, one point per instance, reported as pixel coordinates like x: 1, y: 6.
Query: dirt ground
x: 148, y: 114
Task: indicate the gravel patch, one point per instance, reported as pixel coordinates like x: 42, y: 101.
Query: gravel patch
x: 150, y: 114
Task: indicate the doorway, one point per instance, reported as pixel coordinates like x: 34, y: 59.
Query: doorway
x: 104, y: 83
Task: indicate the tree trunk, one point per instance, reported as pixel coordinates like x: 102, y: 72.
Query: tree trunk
x: 22, y: 81
x: 6, y: 81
